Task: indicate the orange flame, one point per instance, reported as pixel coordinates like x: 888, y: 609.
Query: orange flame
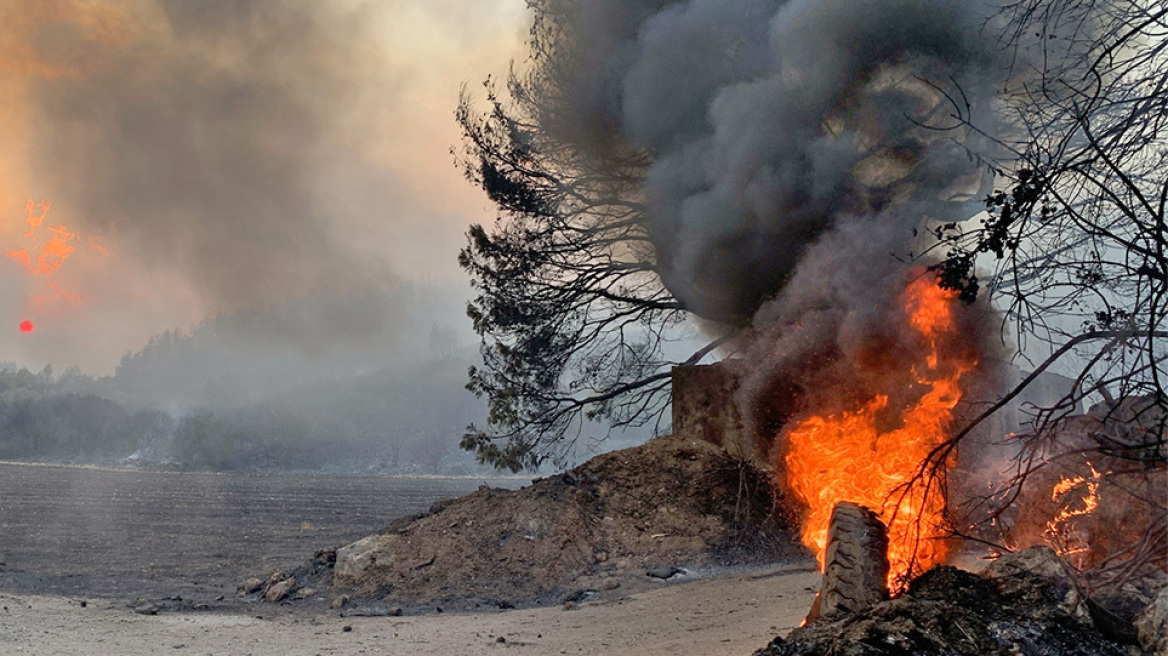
x: 852, y: 455
x: 49, y: 256
x: 35, y: 214
x: 1062, y: 533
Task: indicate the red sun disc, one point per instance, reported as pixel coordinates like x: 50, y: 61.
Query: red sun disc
x: 26, y: 326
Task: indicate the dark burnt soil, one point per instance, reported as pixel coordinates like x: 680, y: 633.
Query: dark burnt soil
x: 670, y: 509
x: 950, y: 612
x: 100, y: 533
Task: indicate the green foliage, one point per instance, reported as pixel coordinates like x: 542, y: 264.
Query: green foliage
x: 569, y: 305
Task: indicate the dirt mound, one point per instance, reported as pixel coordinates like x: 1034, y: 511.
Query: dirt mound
x: 662, y: 508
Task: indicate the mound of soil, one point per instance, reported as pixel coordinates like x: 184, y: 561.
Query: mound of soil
x: 663, y: 508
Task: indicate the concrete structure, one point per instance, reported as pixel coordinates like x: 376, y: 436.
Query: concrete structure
x: 704, y: 408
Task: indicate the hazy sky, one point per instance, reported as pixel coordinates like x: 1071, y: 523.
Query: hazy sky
x: 201, y: 157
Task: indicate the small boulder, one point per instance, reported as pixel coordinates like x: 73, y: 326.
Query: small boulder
x: 278, y: 591
x: 356, y: 561
x: 249, y: 586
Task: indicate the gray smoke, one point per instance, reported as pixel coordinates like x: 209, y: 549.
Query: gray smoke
x: 771, y: 123
x: 800, y: 151
x: 201, y: 141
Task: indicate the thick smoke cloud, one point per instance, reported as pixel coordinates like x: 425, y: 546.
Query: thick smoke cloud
x: 799, y: 150
x: 773, y: 122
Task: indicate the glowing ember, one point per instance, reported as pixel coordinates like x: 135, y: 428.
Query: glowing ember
x: 26, y: 327
x: 852, y: 452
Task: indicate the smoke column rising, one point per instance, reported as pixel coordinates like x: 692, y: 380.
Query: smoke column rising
x: 771, y: 123
x: 798, y: 151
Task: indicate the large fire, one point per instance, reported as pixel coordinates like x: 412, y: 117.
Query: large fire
x: 51, y: 246
x: 853, y: 452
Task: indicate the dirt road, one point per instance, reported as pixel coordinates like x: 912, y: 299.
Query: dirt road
x: 731, y: 615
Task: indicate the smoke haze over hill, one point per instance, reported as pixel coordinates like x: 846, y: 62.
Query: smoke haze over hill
x: 232, y: 156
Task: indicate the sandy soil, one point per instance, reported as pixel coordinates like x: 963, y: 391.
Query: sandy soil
x: 732, y: 614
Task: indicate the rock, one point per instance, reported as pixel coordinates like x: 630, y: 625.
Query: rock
x: 277, y: 591
x: 249, y: 586
x: 1113, y: 624
x: 667, y: 502
x: 396, y: 612
x: 1152, y: 625
x: 1115, y: 610
x: 339, y: 602
x: 145, y: 608
x: 1038, y: 576
x: 326, y: 557
x: 662, y: 572
x: 358, y: 560
x: 304, y: 593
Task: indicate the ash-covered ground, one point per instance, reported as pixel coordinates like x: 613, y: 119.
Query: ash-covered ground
x: 184, y: 540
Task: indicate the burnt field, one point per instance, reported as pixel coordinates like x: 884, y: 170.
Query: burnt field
x: 84, y: 532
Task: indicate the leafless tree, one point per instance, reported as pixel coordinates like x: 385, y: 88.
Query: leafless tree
x: 1077, y: 241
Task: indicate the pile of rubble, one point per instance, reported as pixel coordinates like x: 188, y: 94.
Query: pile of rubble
x: 1024, y: 604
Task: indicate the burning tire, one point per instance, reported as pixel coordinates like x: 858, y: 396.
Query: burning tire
x: 855, y: 573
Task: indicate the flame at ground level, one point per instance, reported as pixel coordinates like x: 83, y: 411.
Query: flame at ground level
x: 850, y: 451
x: 1063, y: 533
